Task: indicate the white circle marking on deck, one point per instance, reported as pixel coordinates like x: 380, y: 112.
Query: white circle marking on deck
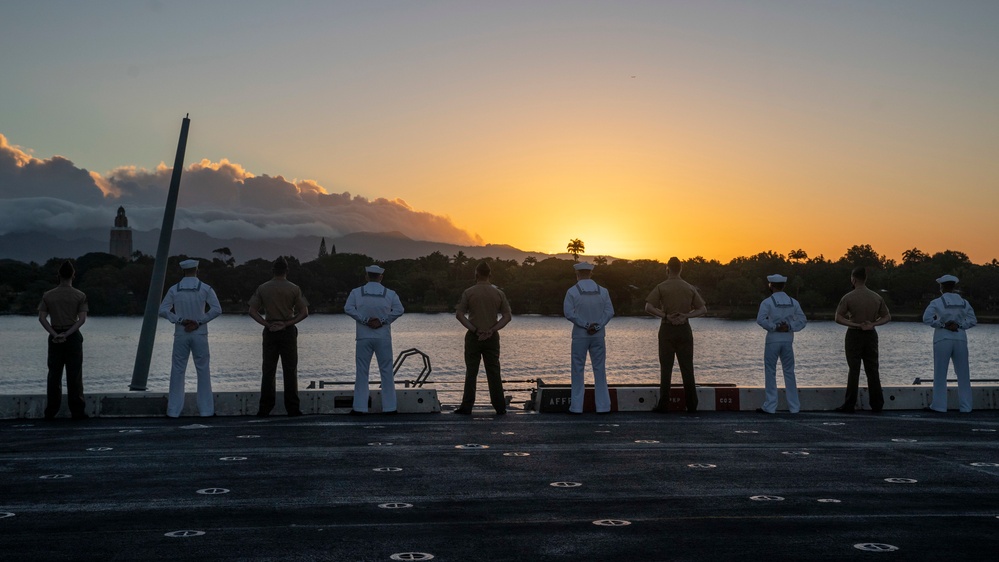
x: 471, y: 446
x: 397, y: 505
x: 901, y: 480
x: 766, y: 498
x: 99, y: 449
x: 828, y: 500
x: 232, y: 458
x: 566, y: 484
x: 985, y: 464
x: 611, y: 522
x: 55, y: 476
x: 387, y: 469
x: 516, y: 454
x: 183, y: 534
x: 702, y: 465
x: 213, y: 491
x: 412, y: 556
x: 875, y: 547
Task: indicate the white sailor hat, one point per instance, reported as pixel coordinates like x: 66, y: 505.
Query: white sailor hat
x: 776, y: 278
x: 583, y: 266
x: 947, y: 279
x: 374, y: 269
x: 189, y: 264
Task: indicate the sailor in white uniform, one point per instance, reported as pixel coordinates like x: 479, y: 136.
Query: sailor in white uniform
x: 184, y: 306
x: 950, y: 316
x: 588, y: 306
x: 781, y: 316
x: 374, y: 307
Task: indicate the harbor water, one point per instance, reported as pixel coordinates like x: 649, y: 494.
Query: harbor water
x: 725, y: 351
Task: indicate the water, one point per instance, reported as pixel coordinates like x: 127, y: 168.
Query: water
x: 725, y: 351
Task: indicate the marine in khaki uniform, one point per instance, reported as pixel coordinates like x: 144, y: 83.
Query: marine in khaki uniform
x: 861, y: 311
x: 675, y: 301
x: 61, y: 312
x: 283, y: 306
x: 478, y: 309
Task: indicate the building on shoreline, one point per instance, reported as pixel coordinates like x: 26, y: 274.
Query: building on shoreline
x: 121, y: 236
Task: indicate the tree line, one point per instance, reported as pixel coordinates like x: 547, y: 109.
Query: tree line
x: 433, y: 283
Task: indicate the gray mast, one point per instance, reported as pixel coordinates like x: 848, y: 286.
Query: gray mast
x: 144, y: 353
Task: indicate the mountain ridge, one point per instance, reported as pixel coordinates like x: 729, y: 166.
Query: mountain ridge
x: 382, y: 246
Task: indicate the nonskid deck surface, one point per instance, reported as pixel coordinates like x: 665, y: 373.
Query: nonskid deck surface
x: 626, y: 486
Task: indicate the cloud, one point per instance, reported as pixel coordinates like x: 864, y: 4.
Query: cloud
x: 22, y: 175
x: 221, y: 199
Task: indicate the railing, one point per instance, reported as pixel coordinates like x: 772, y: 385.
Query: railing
x: 920, y: 380
x: 424, y: 373
x: 420, y: 380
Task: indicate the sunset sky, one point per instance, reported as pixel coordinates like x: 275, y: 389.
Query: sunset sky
x: 646, y: 129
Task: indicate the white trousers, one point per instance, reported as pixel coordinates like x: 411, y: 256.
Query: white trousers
x: 785, y: 352
x: 598, y: 355
x: 943, y: 352
x: 382, y: 350
x: 184, y: 345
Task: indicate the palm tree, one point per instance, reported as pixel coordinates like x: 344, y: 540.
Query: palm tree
x: 226, y: 254
x: 575, y: 248
x: 798, y: 255
x: 599, y: 260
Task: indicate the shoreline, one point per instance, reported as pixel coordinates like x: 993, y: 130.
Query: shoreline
x: 724, y: 314
x: 546, y: 399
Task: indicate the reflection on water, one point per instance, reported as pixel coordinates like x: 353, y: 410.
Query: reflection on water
x: 725, y: 351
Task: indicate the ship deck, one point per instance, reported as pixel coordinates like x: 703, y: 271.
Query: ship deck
x: 525, y: 486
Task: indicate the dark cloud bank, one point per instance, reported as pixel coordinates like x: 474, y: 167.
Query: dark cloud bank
x: 219, y: 199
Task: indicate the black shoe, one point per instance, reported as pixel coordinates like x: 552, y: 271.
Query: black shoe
x: 500, y: 412
x: 661, y: 408
x: 762, y: 411
x: 390, y: 413
x: 356, y: 413
x: 845, y: 409
x: 462, y: 411
x: 81, y: 417
x: 262, y: 414
x: 294, y: 414
x: 574, y: 413
x: 603, y: 413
